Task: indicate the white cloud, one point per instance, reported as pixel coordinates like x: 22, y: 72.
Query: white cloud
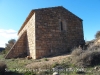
x: 2, y: 43
x: 6, y: 35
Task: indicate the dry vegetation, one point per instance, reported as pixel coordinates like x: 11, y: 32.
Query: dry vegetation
x: 48, y: 61
x: 86, y: 58
x: 3, y: 66
x: 78, y: 58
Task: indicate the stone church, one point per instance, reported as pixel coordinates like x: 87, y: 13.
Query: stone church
x: 46, y: 32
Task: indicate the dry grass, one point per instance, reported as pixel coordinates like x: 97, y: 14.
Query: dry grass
x: 89, y: 57
x: 52, y: 60
x: 77, y: 52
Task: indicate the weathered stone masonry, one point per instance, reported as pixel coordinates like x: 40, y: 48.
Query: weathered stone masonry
x: 48, y: 31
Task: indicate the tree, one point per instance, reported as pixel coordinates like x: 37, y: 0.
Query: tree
x: 10, y: 43
x: 97, y: 34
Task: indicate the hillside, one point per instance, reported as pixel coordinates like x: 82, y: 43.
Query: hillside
x: 97, y: 41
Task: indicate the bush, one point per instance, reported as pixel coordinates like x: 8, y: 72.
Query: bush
x: 77, y: 51
x: 55, y: 64
x: 10, y: 43
x: 94, y: 47
x: 3, y: 66
x: 4, y: 52
x: 87, y: 58
x: 45, y: 59
x: 97, y: 34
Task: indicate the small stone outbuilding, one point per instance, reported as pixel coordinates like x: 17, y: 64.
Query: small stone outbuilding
x: 46, y: 32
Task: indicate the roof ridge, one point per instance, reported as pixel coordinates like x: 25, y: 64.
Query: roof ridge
x: 47, y: 8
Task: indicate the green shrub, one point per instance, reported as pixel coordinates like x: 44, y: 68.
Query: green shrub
x: 10, y: 43
x: 3, y: 66
x: 55, y: 64
x: 4, y: 52
x: 45, y: 59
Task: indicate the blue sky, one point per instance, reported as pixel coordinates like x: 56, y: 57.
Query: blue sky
x: 14, y: 12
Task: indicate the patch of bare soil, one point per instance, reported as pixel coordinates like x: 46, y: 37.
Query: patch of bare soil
x: 42, y: 62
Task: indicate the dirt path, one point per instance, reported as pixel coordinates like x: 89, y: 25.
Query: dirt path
x: 46, y: 61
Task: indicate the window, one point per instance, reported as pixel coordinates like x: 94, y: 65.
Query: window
x: 61, y: 26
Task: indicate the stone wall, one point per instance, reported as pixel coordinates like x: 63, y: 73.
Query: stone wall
x: 30, y: 27
x: 50, y: 38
